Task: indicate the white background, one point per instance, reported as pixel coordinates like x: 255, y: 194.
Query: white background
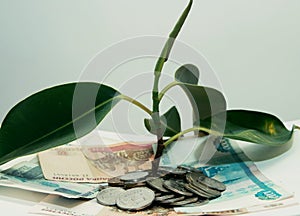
x: 253, y: 46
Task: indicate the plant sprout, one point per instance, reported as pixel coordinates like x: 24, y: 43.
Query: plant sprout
x: 51, y: 118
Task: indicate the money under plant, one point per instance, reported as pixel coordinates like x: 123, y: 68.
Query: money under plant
x: 48, y: 118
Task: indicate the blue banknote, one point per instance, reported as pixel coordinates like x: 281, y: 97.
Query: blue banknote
x: 28, y: 175
x: 230, y: 165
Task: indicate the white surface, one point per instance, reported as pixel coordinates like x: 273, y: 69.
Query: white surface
x: 282, y: 169
x: 253, y: 46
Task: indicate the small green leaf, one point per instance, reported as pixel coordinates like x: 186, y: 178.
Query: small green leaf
x: 251, y: 126
x: 187, y: 73
x: 170, y: 121
x: 53, y: 117
x: 205, y: 101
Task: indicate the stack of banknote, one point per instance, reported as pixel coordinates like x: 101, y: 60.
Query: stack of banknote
x: 87, y: 167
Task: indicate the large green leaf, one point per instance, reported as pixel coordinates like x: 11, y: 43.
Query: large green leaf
x: 170, y: 121
x: 53, y: 117
x: 251, y: 126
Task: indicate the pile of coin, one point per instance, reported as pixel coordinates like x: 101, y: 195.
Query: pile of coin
x: 183, y: 186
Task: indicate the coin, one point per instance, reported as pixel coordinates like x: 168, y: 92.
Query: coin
x: 172, y: 200
x: 129, y: 185
x: 164, y: 197
x: 108, y: 196
x: 185, y: 201
x: 136, y: 198
x: 115, y: 182
x: 176, y: 187
x: 195, y: 190
x: 210, y: 194
x: 157, y: 183
x: 190, y: 169
x: 174, y: 172
x: 200, y: 202
x: 209, y: 182
x: 134, y: 176
x: 212, y: 183
x: 157, y: 194
x: 193, y: 176
x: 206, y: 189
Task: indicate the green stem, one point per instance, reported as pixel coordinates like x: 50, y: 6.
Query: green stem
x: 165, y: 55
x: 296, y: 127
x: 165, y: 89
x: 135, y: 102
x: 155, y: 92
x: 175, y: 137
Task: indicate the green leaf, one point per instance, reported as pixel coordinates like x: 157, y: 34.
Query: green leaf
x: 53, y: 117
x: 205, y: 101
x: 170, y: 121
x: 187, y: 73
x: 251, y: 126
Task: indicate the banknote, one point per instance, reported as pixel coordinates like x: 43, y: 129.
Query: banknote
x: 28, y: 175
x: 94, y: 163
x: 244, y: 182
x: 59, y: 206
x: 248, y: 190
x: 103, y: 155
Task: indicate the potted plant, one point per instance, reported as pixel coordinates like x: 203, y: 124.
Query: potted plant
x: 50, y: 118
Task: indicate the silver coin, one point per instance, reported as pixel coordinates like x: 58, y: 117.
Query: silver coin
x: 136, y: 198
x: 212, y: 183
x: 209, y: 182
x: 190, y: 169
x: 172, y: 200
x: 176, y: 187
x: 193, y: 176
x: 115, y: 182
x: 200, y: 202
x: 157, y: 194
x: 202, y: 187
x: 128, y: 185
x: 173, y: 171
x: 196, y: 191
x: 134, y: 176
x: 108, y: 196
x: 185, y: 201
x: 164, y: 197
x: 157, y: 183
x: 210, y: 195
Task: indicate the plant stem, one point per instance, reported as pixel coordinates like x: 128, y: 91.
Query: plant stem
x: 165, y: 89
x: 155, y: 92
x: 175, y: 137
x: 137, y: 103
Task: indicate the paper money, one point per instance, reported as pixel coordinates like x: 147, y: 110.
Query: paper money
x: 59, y: 206
x: 269, y: 207
x: 95, y: 163
x: 244, y: 182
x: 248, y: 190
x: 28, y: 175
